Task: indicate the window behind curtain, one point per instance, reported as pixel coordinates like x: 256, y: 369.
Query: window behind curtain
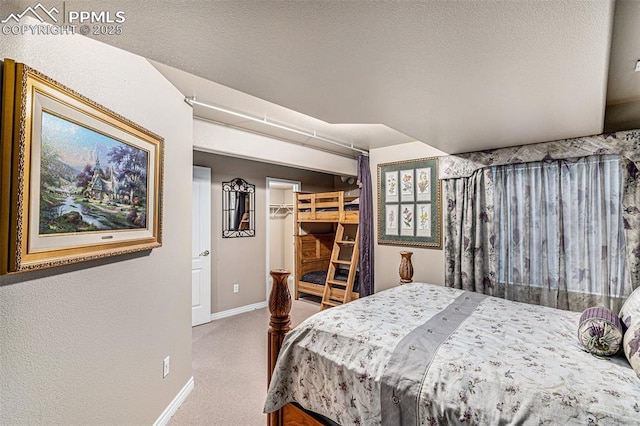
x: 560, y: 231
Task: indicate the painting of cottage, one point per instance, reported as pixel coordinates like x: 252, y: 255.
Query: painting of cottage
x: 89, y: 181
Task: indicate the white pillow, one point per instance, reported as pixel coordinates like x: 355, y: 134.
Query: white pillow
x: 632, y: 346
x: 630, y: 311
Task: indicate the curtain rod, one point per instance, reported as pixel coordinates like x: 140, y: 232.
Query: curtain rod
x: 192, y: 101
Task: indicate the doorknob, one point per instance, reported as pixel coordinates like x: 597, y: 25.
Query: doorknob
x: 205, y: 253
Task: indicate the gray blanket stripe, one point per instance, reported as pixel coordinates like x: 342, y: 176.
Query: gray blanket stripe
x: 403, y: 376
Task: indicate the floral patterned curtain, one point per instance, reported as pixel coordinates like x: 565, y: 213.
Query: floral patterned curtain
x: 631, y: 219
x: 469, y: 233
x: 456, y: 172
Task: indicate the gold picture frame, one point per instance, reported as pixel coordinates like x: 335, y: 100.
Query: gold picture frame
x: 409, y: 203
x: 79, y: 182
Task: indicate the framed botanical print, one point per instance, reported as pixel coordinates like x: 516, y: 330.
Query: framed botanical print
x: 79, y: 181
x: 409, y: 203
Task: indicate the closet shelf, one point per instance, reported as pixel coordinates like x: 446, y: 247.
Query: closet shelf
x: 281, y: 208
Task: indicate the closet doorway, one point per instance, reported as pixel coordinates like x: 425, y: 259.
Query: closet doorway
x: 280, y: 228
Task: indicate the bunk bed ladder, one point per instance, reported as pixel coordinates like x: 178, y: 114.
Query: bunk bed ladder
x: 337, y: 296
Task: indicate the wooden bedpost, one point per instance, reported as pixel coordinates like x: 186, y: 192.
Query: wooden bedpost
x: 406, y: 268
x: 280, y: 307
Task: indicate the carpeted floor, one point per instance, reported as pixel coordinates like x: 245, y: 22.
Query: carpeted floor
x: 230, y: 369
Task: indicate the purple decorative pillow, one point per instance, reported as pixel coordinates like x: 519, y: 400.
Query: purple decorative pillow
x: 600, y: 331
x: 632, y: 346
x: 630, y: 311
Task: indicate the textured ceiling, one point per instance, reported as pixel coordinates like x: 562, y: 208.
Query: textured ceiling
x: 624, y: 83
x: 365, y: 136
x: 457, y: 75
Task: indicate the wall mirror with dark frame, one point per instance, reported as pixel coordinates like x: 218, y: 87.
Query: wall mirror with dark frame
x: 238, y: 209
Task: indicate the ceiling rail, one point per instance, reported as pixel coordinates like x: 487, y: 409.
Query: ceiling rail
x: 192, y: 101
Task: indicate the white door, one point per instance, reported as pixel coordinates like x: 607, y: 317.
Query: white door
x: 201, y: 247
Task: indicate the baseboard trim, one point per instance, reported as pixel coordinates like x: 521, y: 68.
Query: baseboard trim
x: 175, y: 404
x: 240, y: 310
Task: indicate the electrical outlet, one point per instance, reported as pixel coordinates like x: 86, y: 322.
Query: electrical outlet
x: 165, y: 367
x: 236, y: 288
x: 638, y: 65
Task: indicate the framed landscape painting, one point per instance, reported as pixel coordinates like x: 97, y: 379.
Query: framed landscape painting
x: 409, y: 203
x: 79, y: 181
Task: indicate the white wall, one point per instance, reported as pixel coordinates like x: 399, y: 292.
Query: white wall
x: 84, y: 344
x: 288, y: 244
x: 428, y: 264
x: 217, y: 139
x: 276, y: 231
x: 281, y: 231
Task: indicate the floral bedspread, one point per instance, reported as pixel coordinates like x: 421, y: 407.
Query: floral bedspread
x: 505, y: 363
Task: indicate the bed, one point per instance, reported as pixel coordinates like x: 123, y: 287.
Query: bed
x: 316, y: 216
x: 426, y: 354
x: 326, y: 207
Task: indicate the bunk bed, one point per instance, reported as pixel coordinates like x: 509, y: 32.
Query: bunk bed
x: 326, y: 246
